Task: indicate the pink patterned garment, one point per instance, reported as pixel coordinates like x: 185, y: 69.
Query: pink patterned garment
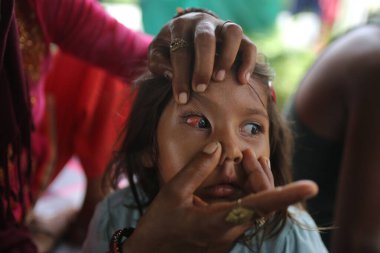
x: 79, y: 27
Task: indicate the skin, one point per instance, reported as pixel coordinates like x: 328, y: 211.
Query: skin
x: 203, y: 31
x: 202, y: 174
x: 227, y: 114
x: 197, y: 62
x: 349, y: 113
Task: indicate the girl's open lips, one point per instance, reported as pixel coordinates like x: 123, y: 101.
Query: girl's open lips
x: 223, y: 191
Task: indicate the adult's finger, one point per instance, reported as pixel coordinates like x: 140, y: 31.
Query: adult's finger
x: 159, y: 55
x: 193, y: 174
x: 204, y: 46
x: 159, y: 62
x: 230, y: 36
x: 257, y: 177
x: 266, y: 165
x: 181, y: 58
x: 279, y: 198
x: 263, y: 203
x: 248, y: 53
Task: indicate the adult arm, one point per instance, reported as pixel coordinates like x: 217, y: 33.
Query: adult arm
x: 338, y: 100
x: 358, y: 205
x: 84, y: 29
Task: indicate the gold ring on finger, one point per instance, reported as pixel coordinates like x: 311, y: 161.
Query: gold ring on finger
x: 178, y: 44
x: 239, y: 215
x: 222, y: 26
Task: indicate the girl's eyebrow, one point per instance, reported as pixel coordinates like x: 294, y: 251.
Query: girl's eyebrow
x: 257, y: 111
x: 199, y: 100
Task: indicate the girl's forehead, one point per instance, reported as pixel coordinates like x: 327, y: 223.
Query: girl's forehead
x: 231, y: 91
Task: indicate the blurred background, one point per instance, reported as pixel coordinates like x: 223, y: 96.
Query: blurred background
x: 291, y: 33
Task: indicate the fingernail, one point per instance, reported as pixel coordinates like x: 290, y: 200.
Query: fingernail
x: 220, y: 75
x: 182, y: 98
x: 268, y: 163
x: 168, y: 75
x: 201, y: 87
x: 211, y: 148
x: 248, y: 76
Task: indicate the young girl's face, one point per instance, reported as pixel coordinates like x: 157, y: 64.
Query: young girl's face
x: 227, y: 112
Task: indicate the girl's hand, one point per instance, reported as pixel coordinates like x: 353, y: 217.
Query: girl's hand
x: 179, y: 221
x: 198, y: 34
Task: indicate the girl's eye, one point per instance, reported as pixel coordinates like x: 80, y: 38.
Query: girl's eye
x: 197, y: 121
x: 252, y: 129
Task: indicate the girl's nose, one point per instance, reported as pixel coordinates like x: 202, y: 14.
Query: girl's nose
x: 231, y: 150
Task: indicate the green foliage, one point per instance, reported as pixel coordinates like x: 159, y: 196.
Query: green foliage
x: 290, y: 65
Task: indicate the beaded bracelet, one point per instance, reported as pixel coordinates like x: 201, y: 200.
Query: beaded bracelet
x: 181, y: 11
x: 116, y: 239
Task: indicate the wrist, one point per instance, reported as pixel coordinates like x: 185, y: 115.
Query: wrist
x: 117, y: 239
x: 140, y: 242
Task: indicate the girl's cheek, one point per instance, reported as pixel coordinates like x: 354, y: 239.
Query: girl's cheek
x: 175, y: 155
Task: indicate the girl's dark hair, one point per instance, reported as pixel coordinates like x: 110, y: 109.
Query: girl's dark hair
x: 138, y: 140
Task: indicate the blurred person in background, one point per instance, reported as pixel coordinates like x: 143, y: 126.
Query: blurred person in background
x: 86, y: 31
x: 83, y: 108
x: 83, y: 29
x: 335, y: 116
x: 326, y: 10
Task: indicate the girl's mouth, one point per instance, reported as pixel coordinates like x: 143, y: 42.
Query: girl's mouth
x: 220, y: 192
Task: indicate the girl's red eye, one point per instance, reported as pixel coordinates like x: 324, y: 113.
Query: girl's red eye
x: 198, y: 122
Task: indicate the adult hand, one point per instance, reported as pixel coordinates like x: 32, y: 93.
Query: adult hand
x: 179, y: 221
x: 198, y: 34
